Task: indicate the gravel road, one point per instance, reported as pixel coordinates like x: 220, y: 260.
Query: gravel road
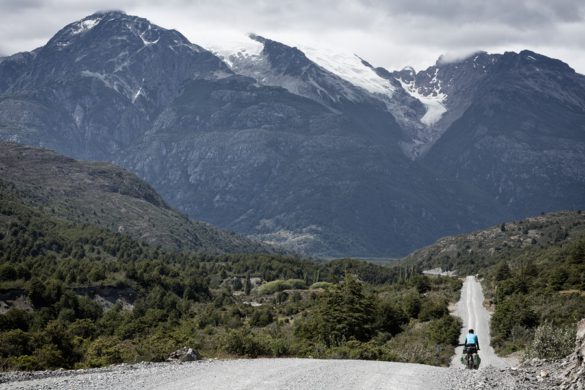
x: 264, y: 374
x: 257, y: 374
x: 475, y: 316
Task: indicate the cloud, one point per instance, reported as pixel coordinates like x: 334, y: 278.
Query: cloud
x: 389, y: 33
x: 518, y: 13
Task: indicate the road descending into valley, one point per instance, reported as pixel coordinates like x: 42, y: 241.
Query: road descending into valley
x: 290, y: 374
x: 475, y: 316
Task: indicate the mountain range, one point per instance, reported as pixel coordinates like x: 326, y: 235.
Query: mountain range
x: 325, y: 153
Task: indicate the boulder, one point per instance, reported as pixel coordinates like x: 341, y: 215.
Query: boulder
x: 183, y: 355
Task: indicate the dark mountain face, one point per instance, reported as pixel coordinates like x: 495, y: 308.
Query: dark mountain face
x: 291, y: 150
x: 522, y: 138
x: 285, y: 168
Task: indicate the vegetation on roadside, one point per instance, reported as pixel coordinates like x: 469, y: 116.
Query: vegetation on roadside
x: 82, y: 296
x: 539, y: 296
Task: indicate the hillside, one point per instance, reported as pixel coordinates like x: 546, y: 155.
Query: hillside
x: 469, y: 253
x: 104, y: 195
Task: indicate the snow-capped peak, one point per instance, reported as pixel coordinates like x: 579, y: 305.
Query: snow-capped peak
x: 350, y: 68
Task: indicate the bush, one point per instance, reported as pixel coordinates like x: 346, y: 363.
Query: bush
x: 280, y: 285
x: 411, y: 304
x: 15, y: 343
x: 49, y: 356
x: 433, y: 307
x: 390, y: 318
x: 245, y: 343
x: 107, y: 350
x: 323, y: 285
x: 15, y: 319
x: 23, y: 363
x: 261, y: 317
x: 514, y: 311
x: 551, y: 342
x: 354, y: 349
x: 446, y: 330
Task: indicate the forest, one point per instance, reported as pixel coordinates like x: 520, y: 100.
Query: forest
x: 83, y: 296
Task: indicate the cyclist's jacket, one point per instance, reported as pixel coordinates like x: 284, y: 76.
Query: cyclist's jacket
x: 472, y: 339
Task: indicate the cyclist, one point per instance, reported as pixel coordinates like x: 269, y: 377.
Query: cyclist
x: 471, y: 340
x: 470, y: 350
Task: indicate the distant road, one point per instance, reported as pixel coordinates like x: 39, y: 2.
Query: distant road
x: 475, y: 316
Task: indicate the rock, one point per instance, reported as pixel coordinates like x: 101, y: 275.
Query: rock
x: 183, y: 355
x: 574, y: 374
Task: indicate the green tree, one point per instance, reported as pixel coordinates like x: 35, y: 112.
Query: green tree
x: 513, y: 311
x: 345, y: 313
x: 502, y: 271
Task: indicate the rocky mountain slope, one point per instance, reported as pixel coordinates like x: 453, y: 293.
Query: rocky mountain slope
x: 325, y: 153
x: 104, y: 195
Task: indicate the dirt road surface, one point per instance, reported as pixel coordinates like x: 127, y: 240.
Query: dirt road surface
x: 471, y: 310
x: 247, y: 374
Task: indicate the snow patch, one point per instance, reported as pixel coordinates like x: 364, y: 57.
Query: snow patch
x: 434, y: 101
x: 137, y: 95
x: 350, y: 68
x: 85, y: 25
x: 236, y: 51
x: 146, y: 42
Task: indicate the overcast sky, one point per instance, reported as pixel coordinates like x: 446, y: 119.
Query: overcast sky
x: 389, y: 33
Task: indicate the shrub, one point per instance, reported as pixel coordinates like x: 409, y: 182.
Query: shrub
x: 261, y: 317
x: 390, y: 318
x: 23, y: 362
x: 107, y: 350
x: 515, y: 310
x: 445, y: 330
x: 354, y: 349
x: 49, y: 356
x: 15, y: 319
x: 245, y: 343
x: 156, y: 348
x: 433, y: 307
x: 280, y: 285
x: 323, y: 285
x: 411, y: 304
x: 551, y: 342
x: 15, y: 343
